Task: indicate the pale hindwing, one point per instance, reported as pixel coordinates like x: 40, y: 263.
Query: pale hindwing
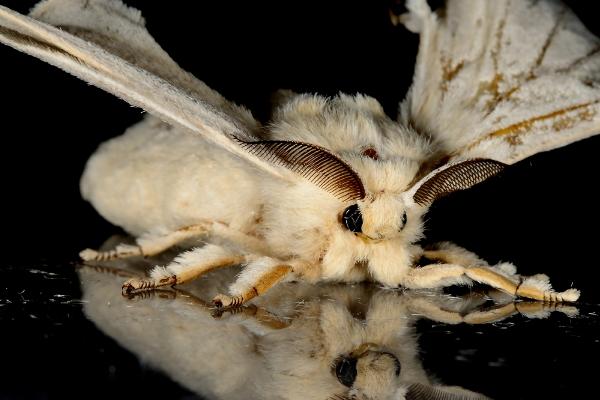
x: 502, y: 79
x: 106, y: 44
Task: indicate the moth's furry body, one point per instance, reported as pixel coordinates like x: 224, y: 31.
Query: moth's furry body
x: 330, y: 189
x: 156, y: 179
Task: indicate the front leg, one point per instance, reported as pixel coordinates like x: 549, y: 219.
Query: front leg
x: 501, y: 276
x: 255, y: 279
x: 440, y: 275
x: 185, y: 267
x: 535, y: 287
x: 450, y: 253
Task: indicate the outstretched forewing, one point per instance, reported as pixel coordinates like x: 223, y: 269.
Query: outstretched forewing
x: 502, y: 79
x: 106, y: 44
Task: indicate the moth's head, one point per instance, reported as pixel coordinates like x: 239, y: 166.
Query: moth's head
x: 372, y: 172
x: 370, y: 162
x: 381, y: 216
x: 390, y: 214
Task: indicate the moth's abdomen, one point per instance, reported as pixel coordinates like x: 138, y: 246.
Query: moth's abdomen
x: 155, y: 177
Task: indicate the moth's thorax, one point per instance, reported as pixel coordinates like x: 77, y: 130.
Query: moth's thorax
x: 353, y: 127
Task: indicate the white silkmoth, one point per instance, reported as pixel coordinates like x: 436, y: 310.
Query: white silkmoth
x: 331, y: 189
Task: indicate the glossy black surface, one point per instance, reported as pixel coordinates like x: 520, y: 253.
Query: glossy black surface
x: 52, y: 350
x: 540, y: 214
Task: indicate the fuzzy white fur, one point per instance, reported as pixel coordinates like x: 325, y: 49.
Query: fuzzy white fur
x: 190, y: 259
x: 497, y: 96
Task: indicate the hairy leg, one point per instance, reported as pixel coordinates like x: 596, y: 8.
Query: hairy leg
x: 255, y: 279
x: 150, y: 245
x: 185, y: 267
x: 450, y: 253
x: 535, y: 287
x: 502, y: 276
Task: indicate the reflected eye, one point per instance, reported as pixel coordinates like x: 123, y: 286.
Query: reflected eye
x: 345, y: 371
x: 352, y: 219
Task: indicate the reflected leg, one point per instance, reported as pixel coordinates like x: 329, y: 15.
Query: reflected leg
x: 263, y: 317
x: 531, y: 309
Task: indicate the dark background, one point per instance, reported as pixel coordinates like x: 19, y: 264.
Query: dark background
x: 540, y: 214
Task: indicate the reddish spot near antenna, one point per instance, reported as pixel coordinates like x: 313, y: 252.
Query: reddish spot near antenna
x: 371, y: 153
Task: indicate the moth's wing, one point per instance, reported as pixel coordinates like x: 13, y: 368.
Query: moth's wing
x: 106, y: 44
x: 121, y: 30
x: 502, y: 79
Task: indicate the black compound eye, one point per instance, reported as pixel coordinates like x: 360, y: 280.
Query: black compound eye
x: 352, y: 219
x: 345, y: 371
x: 404, y: 219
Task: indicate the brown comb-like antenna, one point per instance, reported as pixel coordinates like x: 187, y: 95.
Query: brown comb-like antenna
x: 313, y: 162
x: 455, y: 177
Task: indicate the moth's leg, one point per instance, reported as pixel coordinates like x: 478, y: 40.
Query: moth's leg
x: 255, y: 279
x: 435, y: 276
x: 530, y: 309
x: 435, y: 312
x: 266, y: 318
x: 185, y: 267
x: 450, y: 253
x: 109, y: 270
x: 535, y: 287
x: 146, y: 245
x: 263, y: 317
x: 150, y: 245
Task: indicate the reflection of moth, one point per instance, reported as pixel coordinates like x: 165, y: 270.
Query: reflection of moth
x: 330, y: 189
x: 299, y: 341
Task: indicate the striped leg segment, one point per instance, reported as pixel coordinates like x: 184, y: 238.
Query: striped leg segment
x: 146, y: 245
x: 536, y: 287
x: 255, y: 279
x: 184, y: 268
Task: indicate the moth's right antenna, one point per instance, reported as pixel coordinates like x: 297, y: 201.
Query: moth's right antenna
x: 453, y: 177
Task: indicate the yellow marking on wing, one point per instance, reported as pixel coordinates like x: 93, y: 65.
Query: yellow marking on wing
x: 449, y: 72
x: 512, y: 132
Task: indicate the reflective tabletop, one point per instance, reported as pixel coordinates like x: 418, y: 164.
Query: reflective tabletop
x: 70, y: 328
